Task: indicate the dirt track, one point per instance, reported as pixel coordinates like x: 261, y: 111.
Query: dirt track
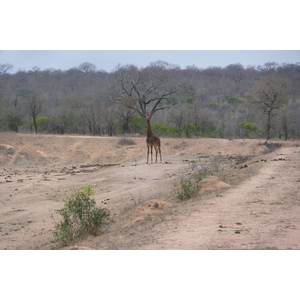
x: 259, y: 213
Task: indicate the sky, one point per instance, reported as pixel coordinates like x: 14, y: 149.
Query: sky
x: 108, y: 59
x: 62, y: 36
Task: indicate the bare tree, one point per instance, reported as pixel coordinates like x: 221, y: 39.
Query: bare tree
x: 236, y: 72
x: 87, y: 67
x: 177, y: 118
x: 91, y: 114
x: 285, y: 124
x: 124, y: 117
x: 110, y: 120
x: 269, y: 95
x: 62, y: 121
x: 150, y: 89
x: 32, y: 104
x: 34, y: 107
x: 5, y: 68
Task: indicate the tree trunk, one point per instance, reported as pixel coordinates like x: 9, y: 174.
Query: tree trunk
x: 269, y: 125
x: 35, y: 126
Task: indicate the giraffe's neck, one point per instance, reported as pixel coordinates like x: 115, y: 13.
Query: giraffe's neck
x: 149, y: 131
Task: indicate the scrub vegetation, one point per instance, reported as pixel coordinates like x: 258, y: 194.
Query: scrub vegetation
x: 230, y: 102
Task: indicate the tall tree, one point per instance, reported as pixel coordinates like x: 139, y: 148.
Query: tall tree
x: 87, y: 67
x: 236, y: 72
x: 5, y: 68
x: 150, y: 89
x: 269, y: 95
x: 34, y: 108
x: 32, y: 103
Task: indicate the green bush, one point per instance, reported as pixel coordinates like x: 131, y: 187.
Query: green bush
x: 14, y: 121
x: 161, y: 129
x: 185, y: 188
x: 211, y: 133
x: 42, y: 123
x: 248, y: 128
x: 137, y: 125
x: 79, y: 217
x: 190, y: 129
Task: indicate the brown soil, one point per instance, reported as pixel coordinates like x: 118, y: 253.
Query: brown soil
x: 254, y: 203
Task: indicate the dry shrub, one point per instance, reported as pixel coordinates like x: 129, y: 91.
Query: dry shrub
x: 126, y: 142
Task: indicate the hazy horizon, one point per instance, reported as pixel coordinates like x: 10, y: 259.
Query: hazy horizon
x: 107, y: 60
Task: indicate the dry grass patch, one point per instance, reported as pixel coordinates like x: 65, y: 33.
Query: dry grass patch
x: 126, y: 142
x: 148, y: 210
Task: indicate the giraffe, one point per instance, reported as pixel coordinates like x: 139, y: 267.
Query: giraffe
x: 152, y: 141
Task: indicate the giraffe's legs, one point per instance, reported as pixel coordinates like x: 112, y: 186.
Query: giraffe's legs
x: 160, y: 154
x: 158, y: 150
x: 151, y: 147
x: 148, y: 152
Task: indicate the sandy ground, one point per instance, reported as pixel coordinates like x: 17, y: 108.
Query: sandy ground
x: 260, y: 209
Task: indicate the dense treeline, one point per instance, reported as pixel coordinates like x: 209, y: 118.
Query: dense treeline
x: 233, y: 101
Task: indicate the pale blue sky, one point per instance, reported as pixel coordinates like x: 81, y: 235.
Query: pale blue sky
x: 108, y: 59
x: 156, y: 25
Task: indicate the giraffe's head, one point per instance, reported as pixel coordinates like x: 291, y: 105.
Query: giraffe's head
x: 147, y: 116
